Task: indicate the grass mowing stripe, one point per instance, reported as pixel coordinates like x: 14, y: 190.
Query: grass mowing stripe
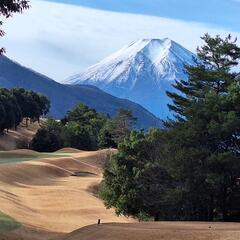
x: 8, y: 157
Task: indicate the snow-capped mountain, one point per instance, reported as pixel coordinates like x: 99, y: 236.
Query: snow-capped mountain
x: 141, y: 72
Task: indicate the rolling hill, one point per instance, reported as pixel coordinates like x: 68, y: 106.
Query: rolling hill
x: 42, y: 197
x: 54, y: 192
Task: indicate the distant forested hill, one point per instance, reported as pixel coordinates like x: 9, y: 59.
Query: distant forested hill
x: 64, y: 97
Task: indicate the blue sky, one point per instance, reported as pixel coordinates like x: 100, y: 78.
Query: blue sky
x: 224, y: 13
x: 60, y: 40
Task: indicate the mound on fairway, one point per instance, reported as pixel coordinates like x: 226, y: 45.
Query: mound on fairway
x: 44, y: 193
x: 96, y: 158
x: 69, y: 150
x: 158, y: 231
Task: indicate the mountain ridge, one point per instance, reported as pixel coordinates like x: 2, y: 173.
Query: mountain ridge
x: 65, y: 97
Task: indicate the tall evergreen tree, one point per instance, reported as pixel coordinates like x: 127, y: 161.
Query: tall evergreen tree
x: 136, y: 183
x: 205, y: 134
x: 191, y: 169
x: 48, y: 138
x: 117, y: 128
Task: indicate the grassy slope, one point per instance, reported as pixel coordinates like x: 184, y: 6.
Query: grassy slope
x: 7, y: 223
x: 158, y: 231
x: 19, y: 139
x: 43, y: 194
x: 9, y: 157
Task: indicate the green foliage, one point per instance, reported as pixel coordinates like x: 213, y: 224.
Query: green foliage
x: 205, y: 137
x: 83, y: 128
x: 136, y: 182
x: 218, y: 53
x: 17, y: 103
x: 48, y: 138
x: 7, y: 223
x: 11, y: 111
x: 106, y: 138
x: 191, y: 169
x: 79, y: 136
x: 117, y: 128
x: 33, y: 105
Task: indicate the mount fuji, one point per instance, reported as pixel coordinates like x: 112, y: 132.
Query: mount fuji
x: 142, y: 72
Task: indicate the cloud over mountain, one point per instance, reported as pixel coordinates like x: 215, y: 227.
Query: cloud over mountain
x: 61, y: 39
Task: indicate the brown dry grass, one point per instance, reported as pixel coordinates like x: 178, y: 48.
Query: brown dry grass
x: 158, y: 231
x: 29, y: 233
x: 19, y: 139
x: 45, y: 198
x: 43, y: 194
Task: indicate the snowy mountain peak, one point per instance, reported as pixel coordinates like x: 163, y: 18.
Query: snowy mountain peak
x: 157, y: 49
x: 164, y: 56
x: 139, y: 71
x: 151, y: 48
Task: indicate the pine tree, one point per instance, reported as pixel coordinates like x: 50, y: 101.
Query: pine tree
x: 191, y: 169
x: 205, y: 134
x: 136, y: 183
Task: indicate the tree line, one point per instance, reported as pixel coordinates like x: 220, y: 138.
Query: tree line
x: 190, y: 170
x: 17, y: 104
x: 84, y: 128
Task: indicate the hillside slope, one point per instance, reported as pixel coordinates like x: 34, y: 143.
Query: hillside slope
x: 158, y: 231
x: 64, y: 97
x: 43, y: 193
x: 18, y: 139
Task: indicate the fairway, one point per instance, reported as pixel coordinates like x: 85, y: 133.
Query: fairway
x: 53, y: 192
x: 27, y: 155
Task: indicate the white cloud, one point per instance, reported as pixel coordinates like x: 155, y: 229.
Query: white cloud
x: 59, y: 39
